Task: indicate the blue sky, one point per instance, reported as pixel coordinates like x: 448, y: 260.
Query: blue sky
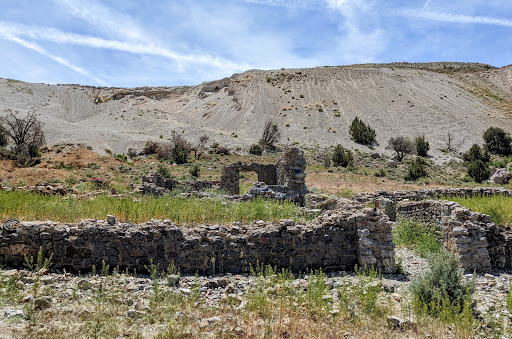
x: 186, y: 42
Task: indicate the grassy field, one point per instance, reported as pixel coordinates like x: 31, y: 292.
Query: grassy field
x: 499, y: 207
x: 33, y: 206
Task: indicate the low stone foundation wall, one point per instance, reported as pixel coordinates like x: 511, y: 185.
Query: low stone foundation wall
x: 397, y: 196
x: 336, y: 240
x: 481, y: 244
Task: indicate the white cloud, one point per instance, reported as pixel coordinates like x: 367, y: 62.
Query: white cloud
x: 35, y: 47
x: 104, y: 18
x: 305, y: 4
x: 455, y: 18
x: 57, y: 36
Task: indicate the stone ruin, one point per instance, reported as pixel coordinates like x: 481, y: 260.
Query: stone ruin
x: 153, y: 183
x: 284, y: 180
x: 334, y: 241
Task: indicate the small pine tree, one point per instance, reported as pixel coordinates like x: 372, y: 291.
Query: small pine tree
x: 422, y: 146
x: 417, y: 169
x: 342, y: 157
x: 498, y: 141
x: 195, y: 171
x: 478, y: 170
x: 361, y: 132
x: 477, y: 163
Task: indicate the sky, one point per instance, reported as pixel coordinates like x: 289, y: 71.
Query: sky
x: 128, y: 43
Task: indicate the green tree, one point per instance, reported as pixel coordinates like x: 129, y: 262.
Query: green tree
x: 417, y: 169
x: 342, y: 156
x: 422, y: 145
x: 497, y: 141
x: 362, y: 133
x: 401, y: 145
x: 477, y: 163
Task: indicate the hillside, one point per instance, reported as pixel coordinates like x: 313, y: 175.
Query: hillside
x: 312, y: 106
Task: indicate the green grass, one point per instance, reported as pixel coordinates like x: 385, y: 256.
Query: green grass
x: 499, y: 207
x: 33, y: 206
x: 421, y: 237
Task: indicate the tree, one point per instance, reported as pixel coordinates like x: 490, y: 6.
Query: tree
x: 361, y: 132
x: 26, y: 134
x: 497, y: 141
x: 401, y: 145
x: 201, y: 146
x: 270, y: 135
x: 180, y: 150
x: 422, y: 145
x: 342, y: 157
x: 417, y: 169
x: 476, y: 153
x: 452, y: 144
x: 477, y: 163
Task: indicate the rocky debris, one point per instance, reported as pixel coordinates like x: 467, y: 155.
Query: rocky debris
x: 501, y: 176
x: 49, y: 189
x: 111, y: 220
x: 397, y: 323
x: 13, y: 313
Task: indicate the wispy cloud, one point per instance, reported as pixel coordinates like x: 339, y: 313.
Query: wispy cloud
x: 455, y: 18
x: 57, y: 36
x: 35, y: 47
x: 304, y: 4
x: 104, y: 18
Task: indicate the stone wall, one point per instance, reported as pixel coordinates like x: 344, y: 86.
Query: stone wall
x: 336, y: 240
x: 230, y: 179
x: 285, y: 180
x: 481, y: 244
x: 397, y: 196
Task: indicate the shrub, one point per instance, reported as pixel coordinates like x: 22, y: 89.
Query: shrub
x: 478, y: 170
x: 417, y: 169
x: 164, y: 151
x: 509, y: 300
x: 132, y: 153
x: 163, y: 172
x: 476, y: 153
x: 270, y: 136
x: 497, y: 141
x: 195, y: 171
x: 477, y: 163
x: 150, y: 148
x: 256, y: 149
x: 442, y: 289
x: 342, y: 157
x: 422, y: 145
x: 361, y: 132
x: 401, y: 145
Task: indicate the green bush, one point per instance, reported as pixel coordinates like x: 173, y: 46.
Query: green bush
x: 417, y: 169
x: 422, y: 145
x: 476, y: 153
x: 163, y: 171
x: 478, y: 170
x: 256, y: 149
x: 361, y: 132
x: 401, y: 145
x: 195, y: 171
x: 342, y: 157
x: 497, y: 141
x: 441, y: 292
